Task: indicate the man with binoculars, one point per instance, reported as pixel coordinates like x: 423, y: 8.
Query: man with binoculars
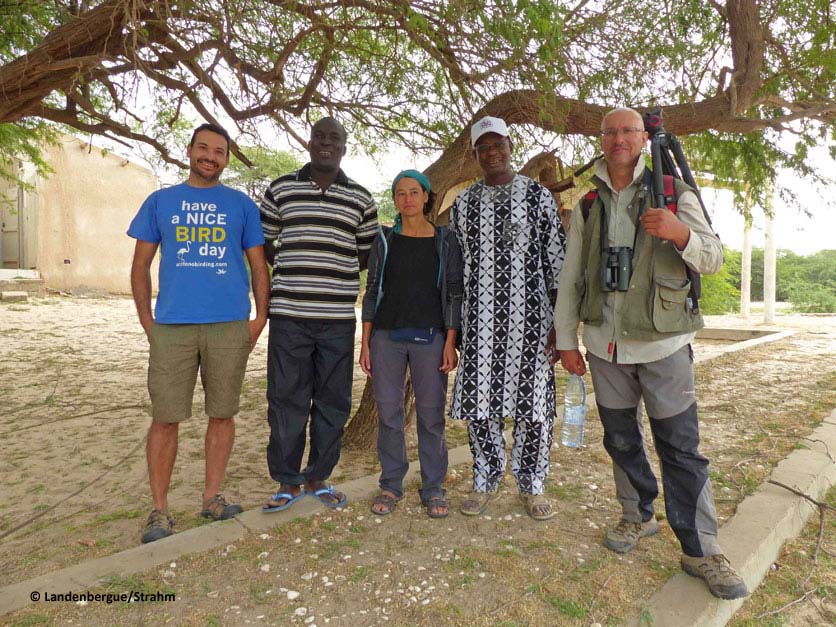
x: 626, y: 276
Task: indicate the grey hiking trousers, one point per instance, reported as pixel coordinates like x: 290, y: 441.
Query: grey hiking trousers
x: 389, y: 361
x: 667, y: 387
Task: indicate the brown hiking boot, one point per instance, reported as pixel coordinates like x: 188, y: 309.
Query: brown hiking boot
x: 219, y: 509
x: 625, y: 537
x: 160, y: 525
x: 722, y: 580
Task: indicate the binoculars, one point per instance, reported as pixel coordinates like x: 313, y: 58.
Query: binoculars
x: 616, y: 268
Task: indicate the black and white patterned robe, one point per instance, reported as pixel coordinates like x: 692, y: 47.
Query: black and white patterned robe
x: 512, y: 243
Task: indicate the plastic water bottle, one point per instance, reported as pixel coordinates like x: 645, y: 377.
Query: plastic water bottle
x: 574, y: 412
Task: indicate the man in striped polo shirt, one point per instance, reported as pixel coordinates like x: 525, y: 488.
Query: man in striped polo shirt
x: 319, y: 225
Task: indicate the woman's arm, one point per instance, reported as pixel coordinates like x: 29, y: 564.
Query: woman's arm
x: 365, y: 353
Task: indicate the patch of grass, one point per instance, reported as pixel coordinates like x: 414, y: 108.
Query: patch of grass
x: 548, y: 545
x: 455, y: 610
x: 468, y: 563
x: 567, y: 607
x: 119, y: 514
x: 357, y: 529
x: 359, y: 574
x: 663, y: 568
x: 34, y: 619
x: 136, y: 583
x: 508, y: 551
x: 564, y: 492
x: 257, y: 591
x: 329, y: 549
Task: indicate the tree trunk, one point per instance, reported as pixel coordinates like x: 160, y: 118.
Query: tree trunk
x: 746, y: 257
x: 361, y: 431
x: 769, y: 271
x: 746, y: 270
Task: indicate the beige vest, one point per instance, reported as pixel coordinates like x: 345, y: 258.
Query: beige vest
x: 656, y: 304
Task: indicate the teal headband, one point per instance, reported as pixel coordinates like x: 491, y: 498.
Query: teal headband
x: 423, y: 181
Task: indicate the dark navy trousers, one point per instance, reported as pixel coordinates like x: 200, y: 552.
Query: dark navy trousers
x: 309, y: 373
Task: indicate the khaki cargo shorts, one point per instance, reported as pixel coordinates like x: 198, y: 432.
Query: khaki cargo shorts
x: 218, y: 350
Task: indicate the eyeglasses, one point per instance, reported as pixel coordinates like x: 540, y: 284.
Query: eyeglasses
x: 484, y: 149
x: 611, y: 133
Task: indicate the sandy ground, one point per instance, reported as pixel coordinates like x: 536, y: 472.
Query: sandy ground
x: 74, y: 411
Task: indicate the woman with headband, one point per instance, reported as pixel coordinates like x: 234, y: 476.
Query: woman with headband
x: 411, y: 316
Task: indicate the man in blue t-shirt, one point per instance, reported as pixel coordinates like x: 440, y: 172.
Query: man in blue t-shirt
x: 201, y: 319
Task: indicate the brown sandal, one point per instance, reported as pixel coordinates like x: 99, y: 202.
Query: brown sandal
x: 476, y: 503
x: 537, y: 506
x: 435, y: 503
x: 387, y: 501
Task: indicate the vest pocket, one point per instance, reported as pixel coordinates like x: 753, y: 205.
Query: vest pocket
x: 669, y: 303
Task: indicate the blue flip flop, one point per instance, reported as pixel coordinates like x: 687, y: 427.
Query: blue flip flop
x: 318, y: 494
x: 282, y: 495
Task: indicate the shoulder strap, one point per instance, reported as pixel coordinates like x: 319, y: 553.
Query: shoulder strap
x: 440, y: 233
x: 586, y: 203
x: 671, y: 197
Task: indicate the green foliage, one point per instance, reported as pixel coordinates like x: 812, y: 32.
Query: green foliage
x: 267, y: 165
x: 808, y: 282
x: 23, y: 141
x: 24, y: 24
x: 720, y: 295
x: 807, y: 298
x: 386, y: 210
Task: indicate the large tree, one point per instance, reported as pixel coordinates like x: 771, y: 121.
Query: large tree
x: 419, y: 73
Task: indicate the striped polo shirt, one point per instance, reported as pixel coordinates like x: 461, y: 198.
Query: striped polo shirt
x: 316, y: 269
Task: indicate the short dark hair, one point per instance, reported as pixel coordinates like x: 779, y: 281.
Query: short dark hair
x: 329, y: 118
x: 428, y: 206
x: 219, y: 130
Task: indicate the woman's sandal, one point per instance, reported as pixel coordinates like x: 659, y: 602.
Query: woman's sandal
x: 386, y: 501
x: 436, y: 503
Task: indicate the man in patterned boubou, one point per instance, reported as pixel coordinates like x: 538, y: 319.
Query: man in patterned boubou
x: 512, y: 246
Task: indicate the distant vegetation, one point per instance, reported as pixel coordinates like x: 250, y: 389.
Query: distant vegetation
x: 808, y: 282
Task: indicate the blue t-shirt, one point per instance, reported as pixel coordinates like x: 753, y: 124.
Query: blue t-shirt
x: 203, y: 233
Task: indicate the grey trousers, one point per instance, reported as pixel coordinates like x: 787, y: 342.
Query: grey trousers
x: 667, y: 387
x: 389, y: 361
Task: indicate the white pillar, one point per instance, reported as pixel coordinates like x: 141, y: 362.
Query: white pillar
x: 746, y: 269
x: 769, y: 272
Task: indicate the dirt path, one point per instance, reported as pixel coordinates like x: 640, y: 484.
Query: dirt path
x: 73, y: 408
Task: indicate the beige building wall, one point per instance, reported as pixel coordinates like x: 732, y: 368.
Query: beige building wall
x: 84, y: 208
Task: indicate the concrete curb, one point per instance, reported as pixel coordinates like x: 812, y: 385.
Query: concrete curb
x: 753, y: 538
x: 682, y: 601
x: 761, y: 338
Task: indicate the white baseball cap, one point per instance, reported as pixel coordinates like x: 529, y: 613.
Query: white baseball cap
x: 487, y: 125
